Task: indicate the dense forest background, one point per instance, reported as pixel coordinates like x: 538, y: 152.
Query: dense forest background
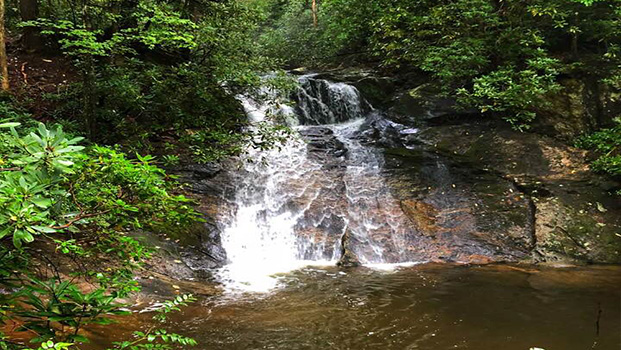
x: 99, y: 95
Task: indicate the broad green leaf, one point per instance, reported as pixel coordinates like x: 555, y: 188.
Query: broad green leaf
x: 65, y: 162
x: 44, y: 229
x: 41, y: 202
x: 5, y: 232
x: 10, y: 125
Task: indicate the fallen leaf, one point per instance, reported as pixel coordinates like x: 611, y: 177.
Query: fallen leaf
x: 601, y: 208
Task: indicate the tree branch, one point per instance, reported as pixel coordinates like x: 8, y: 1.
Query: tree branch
x: 78, y: 218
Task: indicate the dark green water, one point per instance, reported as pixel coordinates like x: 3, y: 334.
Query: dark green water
x: 431, y: 307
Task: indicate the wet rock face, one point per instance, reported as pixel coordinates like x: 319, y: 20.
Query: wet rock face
x: 323, y: 144
x: 420, y: 207
x: 578, y: 108
x: 568, y: 114
x: 376, y: 90
x: 463, y: 214
x: 202, y: 248
x: 575, y: 215
x: 380, y: 131
x: 424, y: 216
x: 610, y: 102
x: 322, y: 223
x: 348, y: 257
x: 532, y: 196
x: 197, y: 251
x: 426, y: 104
x: 467, y: 190
x: 204, y: 179
x: 191, y: 255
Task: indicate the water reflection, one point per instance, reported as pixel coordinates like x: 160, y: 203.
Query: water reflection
x: 421, y: 307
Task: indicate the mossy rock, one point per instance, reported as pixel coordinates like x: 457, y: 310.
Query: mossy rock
x: 377, y: 90
x: 566, y: 233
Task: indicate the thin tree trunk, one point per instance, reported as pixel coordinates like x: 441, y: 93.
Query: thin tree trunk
x: 574, y: 37
x: 3, y: 61
x: 88, y: 80
x: 574, y: 45
x: 88, y: 83
x: 29, y: 11
x: 314, y: 12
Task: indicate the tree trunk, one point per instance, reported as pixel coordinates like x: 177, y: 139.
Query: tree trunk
x: 29, y: 11
x: 314, y: 12
x: 574, y: 46
x: 574, y: 37
x: 3, y: 61
x: 89, y: 98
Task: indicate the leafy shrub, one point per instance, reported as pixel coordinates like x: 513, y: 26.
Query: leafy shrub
x: 52, y: 185
x: 82, y: 200
x: 512, y: 93
x: 606, y: 144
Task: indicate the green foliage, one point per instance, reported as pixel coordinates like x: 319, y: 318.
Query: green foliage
x: 149, y: 68
x: 170, y: 160
x: 39, y: 165
x: 160, y: 338
x: 150, y: 72
x: 154, y: 26
x: 500, y: 57
x: 129, y: 193
x: 52, y: 182
x: 514, y: 94
x: 606, y: 144
x: 291, y: 37
x: 71, y: 309
x: 65, y: 305
x: 83, y: 201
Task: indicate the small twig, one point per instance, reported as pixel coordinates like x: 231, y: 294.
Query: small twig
x: 599, y: 316
x: 75, y: 200
x: 78, y: 218
x: 52, y: 265
x: 23, y: 70
x: 79, y: 322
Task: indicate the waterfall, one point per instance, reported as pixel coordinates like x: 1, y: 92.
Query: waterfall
x: 322, y: 102
x: 294, y: 209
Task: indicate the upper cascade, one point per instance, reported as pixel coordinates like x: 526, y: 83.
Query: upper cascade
x: 321, y: 101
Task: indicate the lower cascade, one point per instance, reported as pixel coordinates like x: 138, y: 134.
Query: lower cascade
x: 320, y: 200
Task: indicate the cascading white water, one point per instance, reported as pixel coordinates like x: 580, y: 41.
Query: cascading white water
x: 322, y: 102
x: 372, y: 211
x: 260, y: 239
x: 293, y: 209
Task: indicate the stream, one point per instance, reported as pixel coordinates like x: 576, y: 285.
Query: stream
x: 332, y: 196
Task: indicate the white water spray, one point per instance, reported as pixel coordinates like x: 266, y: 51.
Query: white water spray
x: 293, y: 209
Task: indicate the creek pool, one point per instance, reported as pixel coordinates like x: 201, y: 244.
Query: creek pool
x: 429, y: 307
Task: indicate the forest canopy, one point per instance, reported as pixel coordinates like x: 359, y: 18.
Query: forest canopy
x: 497, y: 56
